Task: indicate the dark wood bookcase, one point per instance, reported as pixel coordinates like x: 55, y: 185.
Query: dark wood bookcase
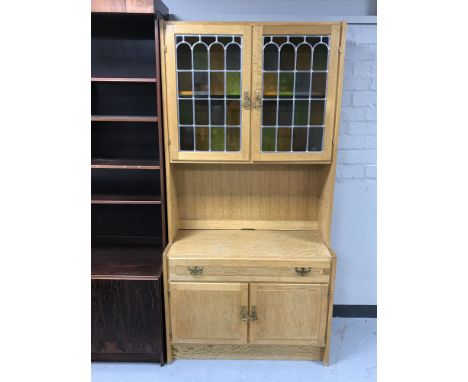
x: 128, y: 209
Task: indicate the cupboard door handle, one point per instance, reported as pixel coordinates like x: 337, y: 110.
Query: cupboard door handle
x: 246, y: 100
x: 253, y: 316
x: 244, y: 315
x: 195, y: 270
x: 303, y: 271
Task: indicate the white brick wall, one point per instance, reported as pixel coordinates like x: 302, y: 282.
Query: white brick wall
x: 358, y: 141
x: 354, y: 214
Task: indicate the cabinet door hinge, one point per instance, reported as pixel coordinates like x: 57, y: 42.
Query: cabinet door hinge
x: 165, y: 49
x: 340, y: 50
x: 329, y: 293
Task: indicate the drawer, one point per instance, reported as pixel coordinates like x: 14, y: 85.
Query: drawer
x: 300, y: 271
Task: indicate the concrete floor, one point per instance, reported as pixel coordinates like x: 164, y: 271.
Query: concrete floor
x: 353, y: 359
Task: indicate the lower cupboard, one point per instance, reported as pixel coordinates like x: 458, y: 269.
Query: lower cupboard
x: 233, y: 317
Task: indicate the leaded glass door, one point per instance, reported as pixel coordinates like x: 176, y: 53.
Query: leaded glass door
x: 208, y: 91
x: 294, y: 87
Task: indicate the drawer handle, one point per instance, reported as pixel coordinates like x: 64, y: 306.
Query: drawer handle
x: 244, y: 315
x: 253, y: 316
x: 303, y: 271
x: 195, y: 270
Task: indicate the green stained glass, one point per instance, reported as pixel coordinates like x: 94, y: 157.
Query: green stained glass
x: 233, y: 85
x: 268, y: 139
x: 286, y: 85
x: 232, y: 139
x: 217, y: 138
x: 301, y: 110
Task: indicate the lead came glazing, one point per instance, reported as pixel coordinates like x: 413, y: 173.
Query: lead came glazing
x: 209, y: 92
x: 295, y: 72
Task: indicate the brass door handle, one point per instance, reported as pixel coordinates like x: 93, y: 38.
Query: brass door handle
x: 246, y: 100
x: 303, y: 271
x: 244, y: 315
x: 195, y: 270
x: 253, y: 316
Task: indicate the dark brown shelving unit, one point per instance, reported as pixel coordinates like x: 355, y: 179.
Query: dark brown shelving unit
x: 128, y: 209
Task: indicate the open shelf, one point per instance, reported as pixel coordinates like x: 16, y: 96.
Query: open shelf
x: 123, y: 79
x: 123, y: 98
x: 126, y: 261
x: 122, y: 118
x: 125, y: 199
x: 122, y: 45
x: 126, y: 164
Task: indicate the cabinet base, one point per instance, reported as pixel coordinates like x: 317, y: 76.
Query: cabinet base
x: 294, y: 352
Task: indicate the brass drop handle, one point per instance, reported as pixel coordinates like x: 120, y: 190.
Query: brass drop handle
x: 303, y: 271
x: 258, y: 100
x: 253, y: 316
x: 195, y: 270
x: 244, y: 315
x: 246, y: 100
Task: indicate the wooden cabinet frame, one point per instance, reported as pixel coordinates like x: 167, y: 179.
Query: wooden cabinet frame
x: 252, y: 80
x: 249, y: 194
x: 171, y: 86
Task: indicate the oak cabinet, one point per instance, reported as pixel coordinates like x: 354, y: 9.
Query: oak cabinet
x: 239, y: 92
x: 288, y: 314
x: 220, y: 313
x: 208, y: 313
x: 251, y: 118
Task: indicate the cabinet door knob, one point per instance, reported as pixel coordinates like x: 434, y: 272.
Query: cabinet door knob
x: 244, y: 315
x: 253, y: 316
x: 195, y: 270
x: 303, y: 271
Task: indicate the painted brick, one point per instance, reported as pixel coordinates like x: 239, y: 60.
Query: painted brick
x: 350, y: 127
x: 364, y: 34
x: 364, y: 98
x: 371, y: 114
x: 371, y: 141
x: 344, y: 171
x: 346, y: 98
x: 354, y: 113
x: 355, y: 52
x: 352, y: 142
x: 362, y: 68
x: 350, y: 83
x: 359, y: 157
x: 371, y: 171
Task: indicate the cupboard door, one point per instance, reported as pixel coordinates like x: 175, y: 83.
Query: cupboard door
x: 208, y: 72
x: 208, y: 313
x: 288, y: 314
x: 294, y: 86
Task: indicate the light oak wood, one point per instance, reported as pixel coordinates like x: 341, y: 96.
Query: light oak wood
x: 326, y: 355
x: 212, y: 208
x: 208, y: 313
x: 257, y: 85
x: 203, y: 351
x: 250, y: 271
x: 328, y: 173
x: 239, y: 245
x: 288, y: 314
x: 240, y: 193
x: 171, y: 100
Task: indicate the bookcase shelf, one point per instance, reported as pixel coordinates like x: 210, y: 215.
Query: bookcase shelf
x: 126, y: 164
x: 123, y: 79
x: 128, y: 215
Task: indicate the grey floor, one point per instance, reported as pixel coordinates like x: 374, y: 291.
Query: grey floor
x: 353, y: 359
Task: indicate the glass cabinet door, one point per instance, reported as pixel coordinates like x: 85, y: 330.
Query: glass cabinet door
x: 294, y: 89
x: 208, y: 81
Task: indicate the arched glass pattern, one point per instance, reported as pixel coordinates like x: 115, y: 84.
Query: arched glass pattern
x: 209, y: 85
x: 295, y: 70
